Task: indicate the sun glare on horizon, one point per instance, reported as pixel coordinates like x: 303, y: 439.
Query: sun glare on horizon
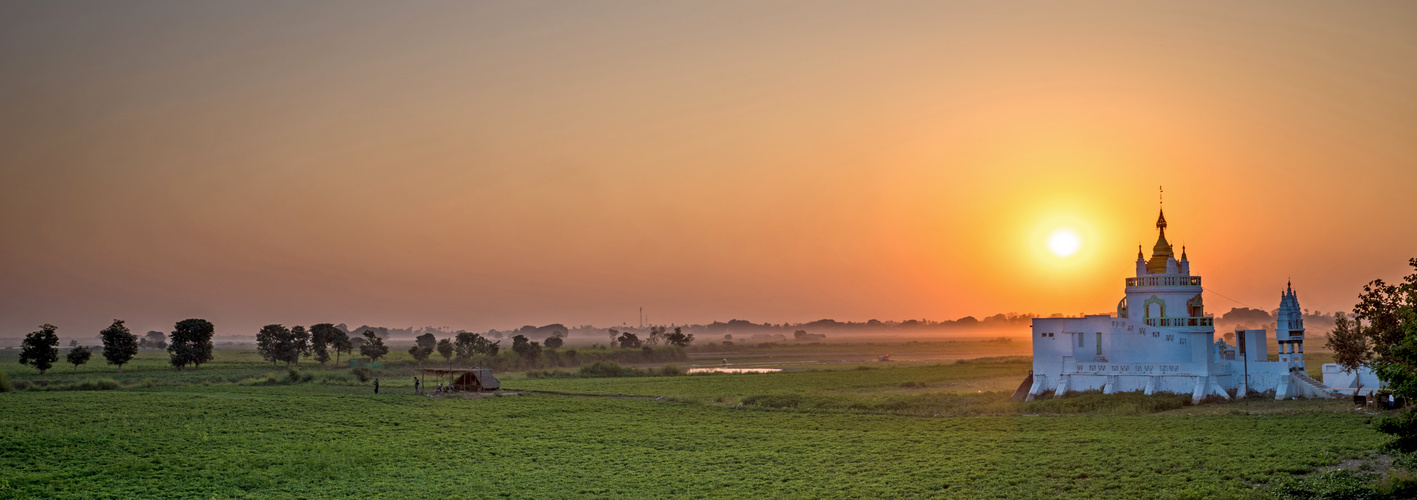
x: 1064, y: 242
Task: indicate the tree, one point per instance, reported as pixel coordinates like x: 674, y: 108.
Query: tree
x: 373, y: 347
x: 1388, y: 343
x: 679, y: 338
x: 269, y: 340
x: 554, y: 342
x: 445, y: 348
x: 629, y: 340
x: 322, y: 337
x: 119, y: 344
x: 466, y: 344
x: 40, y: 349
x: 423, y: 346
x: 78, y: 356
x: 157, y: 340
x: 656, y: 335
x: 341, y: 342
x: 525, y: 347
x: 614, y: 335
x: 191, y: 343
x: 1349, y: 344
x: 299, y: 345
x: 153, y: 340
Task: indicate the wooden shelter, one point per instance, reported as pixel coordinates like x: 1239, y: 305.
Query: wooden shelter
x: 466, y: 379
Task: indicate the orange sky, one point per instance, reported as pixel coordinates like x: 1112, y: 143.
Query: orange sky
x: 498, y: 164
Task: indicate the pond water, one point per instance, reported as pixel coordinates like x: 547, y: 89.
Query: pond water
x: 734, y: 370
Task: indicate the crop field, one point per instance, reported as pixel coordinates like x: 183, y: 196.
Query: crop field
x: 235, y: 430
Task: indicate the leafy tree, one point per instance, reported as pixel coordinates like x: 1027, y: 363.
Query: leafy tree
x: 269, y: 340
x: 525, y: 347
x: 153, y: 340
x: 629, y: 340
x: 191, y: 343
x: 467, y: 344
x: 423, y: 346
x: 341, y: 342
x: 322, y: 337
x: 679, y: 338
x: 373, y: 347
x: 78, y: 356
x: 554, y: 342
x: 656, y: 335
x: 614, y: 335
x: 119, y: 344
x: 40, y: 349
x: 299, y: 345
x: 445, y: 348
x: 464, y: 344
x: 1388, y: 342
x: 1349, y: 343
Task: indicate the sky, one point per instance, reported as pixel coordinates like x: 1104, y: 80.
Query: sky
x: 483, y: 165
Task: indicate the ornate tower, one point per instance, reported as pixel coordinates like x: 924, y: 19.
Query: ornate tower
x: 1164, y: 294
x: 1289, y: 329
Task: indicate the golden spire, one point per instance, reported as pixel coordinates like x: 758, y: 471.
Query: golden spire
x: 1162, y: 250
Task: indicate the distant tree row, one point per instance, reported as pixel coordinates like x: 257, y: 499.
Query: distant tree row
x: 627, y: 340
x: 191, y: 344
x: 276, y: 343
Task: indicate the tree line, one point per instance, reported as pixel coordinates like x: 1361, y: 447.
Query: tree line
x: 277, y: 343
x: 190, y: 344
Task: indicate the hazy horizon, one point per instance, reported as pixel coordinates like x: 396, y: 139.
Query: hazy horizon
x: 482, y: 165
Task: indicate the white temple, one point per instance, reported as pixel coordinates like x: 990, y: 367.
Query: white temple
x: 1161, y: 340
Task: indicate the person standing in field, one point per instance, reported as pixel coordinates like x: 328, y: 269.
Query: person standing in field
x: 416, y: 385
x: 376, y: 386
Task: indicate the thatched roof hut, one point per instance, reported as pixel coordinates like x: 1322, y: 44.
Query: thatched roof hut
x: 467, y: 379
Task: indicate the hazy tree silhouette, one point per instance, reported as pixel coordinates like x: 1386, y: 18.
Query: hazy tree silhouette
x: 629, y: 340
x: 445, y: 348
x: 373, y: 347
x: 119, y: 344
x: 78, y: 356
x: 191, y: 343
x: 40, y: 349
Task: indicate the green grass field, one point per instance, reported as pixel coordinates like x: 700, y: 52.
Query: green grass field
x: 835, y: 433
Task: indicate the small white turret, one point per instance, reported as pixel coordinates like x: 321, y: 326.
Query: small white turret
x: 1185, y: 263
x: 1141, y: 262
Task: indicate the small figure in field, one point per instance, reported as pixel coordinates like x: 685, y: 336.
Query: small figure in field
x: 376, y: 386
x: 725, y: 362
x: 417, y: 386
x: 440, y: 387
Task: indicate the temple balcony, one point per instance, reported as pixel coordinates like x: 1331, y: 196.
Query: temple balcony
x: 1165, y: 281
x: 1179, y: 322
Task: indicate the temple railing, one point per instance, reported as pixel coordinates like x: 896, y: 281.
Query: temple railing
x: 1179, y: 322
x: 1165, y: 281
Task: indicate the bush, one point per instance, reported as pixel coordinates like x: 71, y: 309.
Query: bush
x: 670, y: 371
x: 101, y: 384
x: 607, y: 369
x: 5, y: 383
x: 294, y: 376
x: 362, y: 373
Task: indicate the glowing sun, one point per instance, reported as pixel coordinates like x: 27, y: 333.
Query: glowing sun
x: 1064, y: 242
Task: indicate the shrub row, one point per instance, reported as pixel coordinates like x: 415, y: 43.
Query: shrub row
x: 602, y: 369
